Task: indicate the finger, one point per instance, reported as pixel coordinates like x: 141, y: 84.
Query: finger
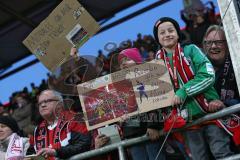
x: 101, y: 136
x: 210, y: 106
x: 106, y: 138
x: 220, y: 105
x: 125, y: 117
x: 73, y: 51
x: 150, y: 136
x: 154, y: 138
x: 97, y: 145
x: 173, y: 102
x: 121, y: 119
x: 178, y: 101
x: 149, y: 132
x: 210, y: 109
x: 173, y: 99
x: 215, y: 108
x: 104, y: 142
x: 103, y: 139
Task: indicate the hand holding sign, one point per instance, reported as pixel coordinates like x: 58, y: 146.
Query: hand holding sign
x: 68, y: 25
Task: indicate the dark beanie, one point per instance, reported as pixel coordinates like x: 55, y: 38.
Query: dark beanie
x: 162, y: 20
x: 10, y: 122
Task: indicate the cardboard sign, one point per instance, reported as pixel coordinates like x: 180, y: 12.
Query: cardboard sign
x: 131, y: 91
x: 69, y: 24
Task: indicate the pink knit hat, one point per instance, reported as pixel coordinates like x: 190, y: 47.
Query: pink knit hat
x: 131, y: 53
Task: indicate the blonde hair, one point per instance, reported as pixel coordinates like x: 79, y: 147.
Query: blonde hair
x: 213, y: 28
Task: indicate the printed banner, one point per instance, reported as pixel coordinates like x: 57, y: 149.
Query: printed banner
x: 131, y: 91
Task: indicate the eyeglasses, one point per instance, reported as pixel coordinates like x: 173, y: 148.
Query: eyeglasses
x: 40, y: 104
x: 216, y: 42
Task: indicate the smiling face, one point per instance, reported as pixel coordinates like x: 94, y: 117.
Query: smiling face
x: 5, y: 131
x: 167, y: 35
x: 215, y: 46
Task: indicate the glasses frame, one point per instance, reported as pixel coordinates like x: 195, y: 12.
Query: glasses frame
x: 216, y: 42
x: 40, y: 104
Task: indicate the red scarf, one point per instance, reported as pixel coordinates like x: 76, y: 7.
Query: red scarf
x: 182, y: 68
x: 42, y: 138
x: 185, y: 72
x: 231, y: 125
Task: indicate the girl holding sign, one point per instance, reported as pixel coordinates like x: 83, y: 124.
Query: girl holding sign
x: 135, y: 127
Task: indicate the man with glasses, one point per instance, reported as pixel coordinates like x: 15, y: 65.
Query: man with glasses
x: 54, y: 136
x: 216, y: 48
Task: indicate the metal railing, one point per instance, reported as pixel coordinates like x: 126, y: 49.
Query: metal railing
x: 116, y: 146
x: 128, y: 142
x: 234, y: 157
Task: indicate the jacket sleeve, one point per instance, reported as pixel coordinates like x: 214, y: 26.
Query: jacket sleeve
x: 80, y: 141
x: 204, y: 74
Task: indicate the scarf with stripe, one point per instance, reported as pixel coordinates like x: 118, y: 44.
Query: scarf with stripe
x: 226, y: 86
x: 41, y: 136
x: 185, y: 73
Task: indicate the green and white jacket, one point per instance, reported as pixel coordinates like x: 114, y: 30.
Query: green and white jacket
x: 203, y: 81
